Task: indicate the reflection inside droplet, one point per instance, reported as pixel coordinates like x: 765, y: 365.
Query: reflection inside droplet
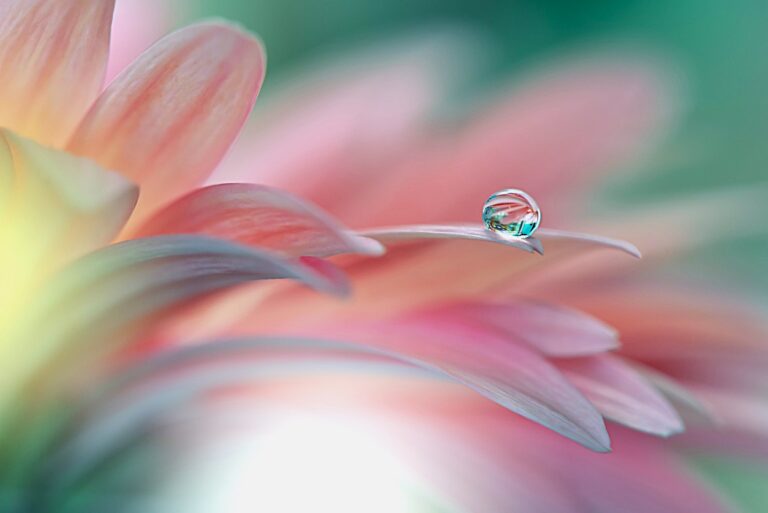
x: 512, y: 212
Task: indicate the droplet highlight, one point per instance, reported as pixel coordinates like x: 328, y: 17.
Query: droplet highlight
x: 512, y: 213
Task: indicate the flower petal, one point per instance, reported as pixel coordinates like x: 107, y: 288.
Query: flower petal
x: 447, y: 231
x: 168, y: 119
x: 424, y: 265
x: 375, y: 101
x: 551, y: 329
x: 53, y: 54
x: 534, y: 137
x: 123, y: 286
x: 621, y: 394
x: 54, y: 208
x: 560, y: 238
x: 502, y: 370
x: 258, y: 216
x: 137, y: 25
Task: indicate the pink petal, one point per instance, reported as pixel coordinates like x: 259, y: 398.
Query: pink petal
x: 679, y: 394
x: 258, y: 216
x: 508, y: 373
x: 167, y: 120
x: 53, y: 54
x: 424, y: 265
x: 374, y: 102
x: 136, y: 26
x: 547, y: 137
x: 553, y: 330
x: 638, y: 477
x: 621, y: 394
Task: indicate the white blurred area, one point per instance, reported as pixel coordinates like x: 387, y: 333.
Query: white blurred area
x: 295, y: 462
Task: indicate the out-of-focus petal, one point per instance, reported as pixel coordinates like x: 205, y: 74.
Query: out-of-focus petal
x: 54, y: 207
x: 375, y: 103
x: 100, y: 302
x: 137, y: 25
x: 422, y: 267
x: 621, y: 394
x: 258, y: 216
x: 168, y: 119
x: 53, y: 54
x: 535, y: 138
x: 509, y: 373
x: 137, y: 398
x: 554, y: 330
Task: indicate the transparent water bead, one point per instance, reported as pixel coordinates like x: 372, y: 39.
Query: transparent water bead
x: 512, y: 212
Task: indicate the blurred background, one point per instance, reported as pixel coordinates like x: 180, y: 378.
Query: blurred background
x: 716, y: 49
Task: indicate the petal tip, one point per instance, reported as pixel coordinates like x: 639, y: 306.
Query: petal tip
x: 367, y: 246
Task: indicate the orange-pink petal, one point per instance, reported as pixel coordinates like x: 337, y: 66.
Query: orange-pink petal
x: 258, y: 216
x: 168, y: 119
x: 551, y: 329
x: 621, y: 394
x: 53, y: 54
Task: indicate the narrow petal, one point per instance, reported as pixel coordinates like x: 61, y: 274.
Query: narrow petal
x: 560, y: 238
x: 551, y: 329
x: 137, y: 398
x: 119, y: 289
x: 506, y: 372
x: 677, y: 393
x: 53, y: 54
x: 258, y: 216
x: 424, y: 265
x: 456, y: 231
x: 168, y: 119
x: 621, y: 394
x: 569, y: 240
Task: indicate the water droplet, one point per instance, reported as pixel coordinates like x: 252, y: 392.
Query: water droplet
x: 512, y: 212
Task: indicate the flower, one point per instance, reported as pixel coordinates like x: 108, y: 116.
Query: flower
x: 101, y: 340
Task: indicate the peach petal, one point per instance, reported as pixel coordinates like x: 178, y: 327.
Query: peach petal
x: 258, y: 216
x: 53, y: 54
x: 551, y: 329
x: 168, y: 119
x: 621, y: 394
